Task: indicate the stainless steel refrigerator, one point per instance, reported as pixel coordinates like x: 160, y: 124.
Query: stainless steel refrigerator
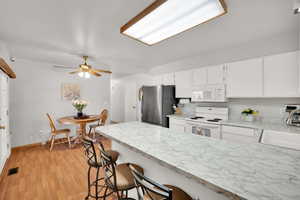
x: 157, y: 102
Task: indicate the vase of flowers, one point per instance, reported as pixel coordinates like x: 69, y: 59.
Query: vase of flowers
x: 79, y: 105
x: 249, y: 115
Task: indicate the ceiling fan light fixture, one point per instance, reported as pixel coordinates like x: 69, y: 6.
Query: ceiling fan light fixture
x: 87, y: 75
x: 84, y: 75
x: 86, y: 71
x: 81, y: 74
x: 166, y: 18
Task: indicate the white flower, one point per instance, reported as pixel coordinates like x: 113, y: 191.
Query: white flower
x: 79, y: 104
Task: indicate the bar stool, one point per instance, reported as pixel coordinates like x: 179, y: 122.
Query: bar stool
x: 94, y: 163
x: 147, y: 189
x: 118, y: 178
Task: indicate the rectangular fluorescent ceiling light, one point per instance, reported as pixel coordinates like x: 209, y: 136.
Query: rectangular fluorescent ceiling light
x: 166, y: 18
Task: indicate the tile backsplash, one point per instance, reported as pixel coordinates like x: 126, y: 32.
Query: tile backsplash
x: 271, y: 109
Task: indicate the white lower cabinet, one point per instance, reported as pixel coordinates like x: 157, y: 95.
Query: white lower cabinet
x: 177, y: 125
x: 240, y: 135
x: 282, y: 139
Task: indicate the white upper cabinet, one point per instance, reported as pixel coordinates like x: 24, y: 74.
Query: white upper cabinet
x: 281, y: 75
x: 183, y: 82
x: 208, y: 75
x: 245, y: 78
x: 215, y: 74
x: 168, y: 79
x: 200, y: 76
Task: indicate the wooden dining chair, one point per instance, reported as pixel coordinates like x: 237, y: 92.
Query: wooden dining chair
x: 55, y: 132
x: 101, y: 122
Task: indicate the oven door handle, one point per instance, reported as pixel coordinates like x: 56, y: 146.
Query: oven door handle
x: 209, y: 126
x: 204, y: 126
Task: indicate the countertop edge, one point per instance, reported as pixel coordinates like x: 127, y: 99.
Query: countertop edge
x: 207, y: 184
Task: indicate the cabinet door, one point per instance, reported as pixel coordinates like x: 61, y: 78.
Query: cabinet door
x: 4, y: 120
x: 168, y: 79
x: 245, y: 78
x: 130, y: 101
x: 200, y: 76
x: 177, y: 128
x: 288, y: 140
x: 281, y: 75
x: 215, y: 74
x: 240, y: 135
x: 183, y: 82
x: 177, y: 125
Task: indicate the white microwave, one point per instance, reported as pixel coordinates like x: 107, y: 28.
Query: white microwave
x: 209, y: 93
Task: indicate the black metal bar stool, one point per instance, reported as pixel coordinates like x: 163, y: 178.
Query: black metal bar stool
x: 94, y: 163
x: 148, y: 189
x: 118, y: 178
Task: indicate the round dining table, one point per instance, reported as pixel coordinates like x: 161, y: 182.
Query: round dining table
x: 81, y: 122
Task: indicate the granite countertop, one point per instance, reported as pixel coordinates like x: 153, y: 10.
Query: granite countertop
x: 281, y: 127
x: 253, y: 172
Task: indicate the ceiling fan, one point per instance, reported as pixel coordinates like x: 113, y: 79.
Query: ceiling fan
x: 86, y: 70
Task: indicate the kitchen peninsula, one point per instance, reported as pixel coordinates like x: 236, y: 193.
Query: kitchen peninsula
x: 208, y: 168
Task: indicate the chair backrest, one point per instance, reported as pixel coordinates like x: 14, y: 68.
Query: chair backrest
x: 52, y: 126
x: 148, y: 189
x: 109, y: 169
x: 103, y: 117
x: 89, y: 150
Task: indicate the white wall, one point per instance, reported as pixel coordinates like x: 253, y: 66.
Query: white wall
x: 37, y: 90
x: 119, y: 91
x: 4, y: 52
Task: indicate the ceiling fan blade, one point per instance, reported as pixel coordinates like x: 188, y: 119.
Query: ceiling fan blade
x: 63, y: 67
x: 75, y: 72
x: 94, y: 72
x: 101, y: 70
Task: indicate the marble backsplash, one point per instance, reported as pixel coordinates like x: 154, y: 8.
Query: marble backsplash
x: 271, y: 109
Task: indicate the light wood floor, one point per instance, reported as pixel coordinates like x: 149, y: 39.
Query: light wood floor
x: 43, y: 175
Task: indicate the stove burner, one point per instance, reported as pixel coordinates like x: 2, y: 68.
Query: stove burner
x: 197, y: 117
x: 214, y: 120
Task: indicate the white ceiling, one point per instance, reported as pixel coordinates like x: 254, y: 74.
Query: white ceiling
x: 57, y: 31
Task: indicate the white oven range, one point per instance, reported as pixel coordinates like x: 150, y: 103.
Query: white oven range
x: 207, y: 121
